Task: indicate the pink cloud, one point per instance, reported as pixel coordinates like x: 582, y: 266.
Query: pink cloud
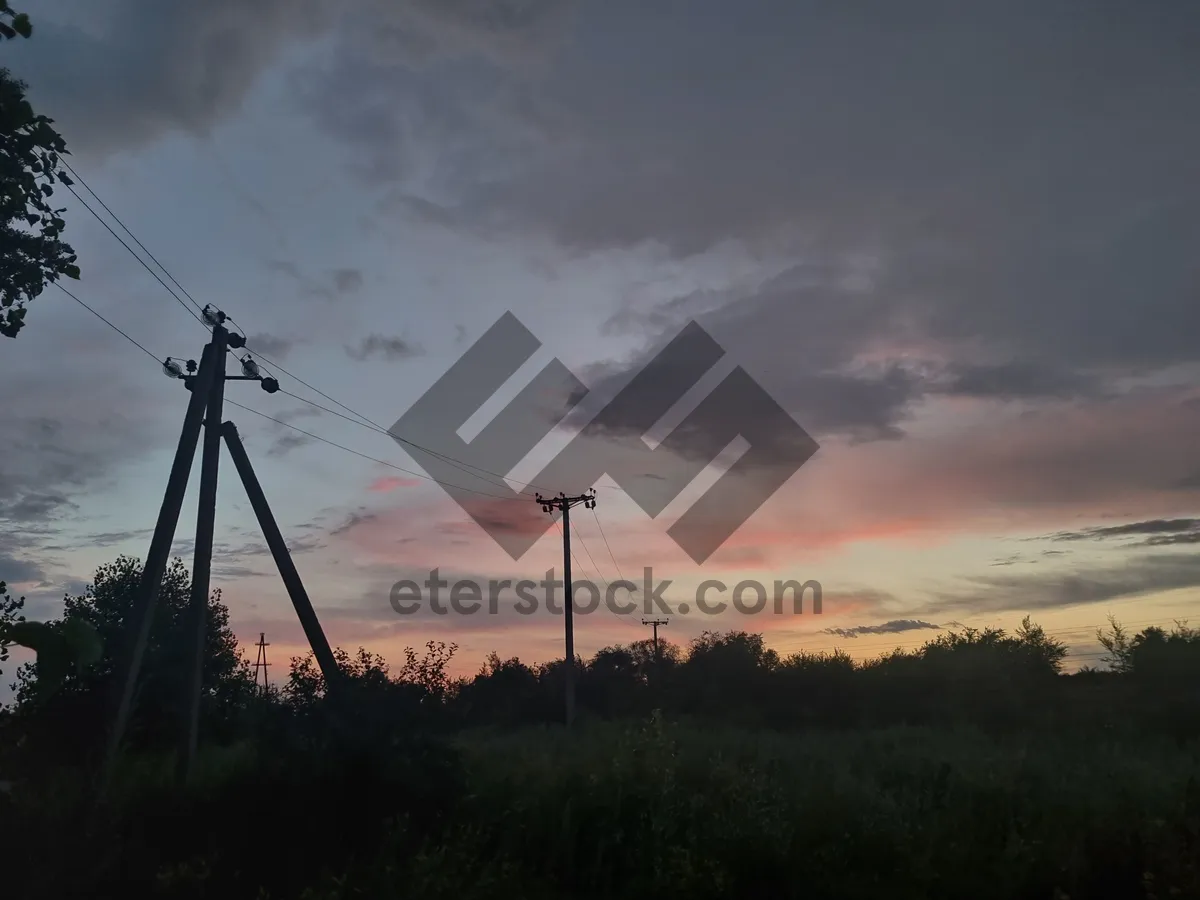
x: 972, y: 468
x: 392, y: 482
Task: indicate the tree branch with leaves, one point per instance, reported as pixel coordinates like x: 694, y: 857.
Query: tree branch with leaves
x: 12, y: 23
x: 32, y: 251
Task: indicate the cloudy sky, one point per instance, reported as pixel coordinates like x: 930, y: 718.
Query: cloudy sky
x: 956, y: 242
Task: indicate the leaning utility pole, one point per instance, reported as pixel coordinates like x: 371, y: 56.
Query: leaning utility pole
x: 654, y: 623
x: 563, y: 504
x: 207, y: 386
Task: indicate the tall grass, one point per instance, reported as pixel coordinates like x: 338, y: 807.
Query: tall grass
x: 646, y: 810
x: 675, y: 811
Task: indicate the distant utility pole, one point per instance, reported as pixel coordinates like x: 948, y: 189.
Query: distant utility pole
x: 655, y: 623
x: 261, y: 663
x: 207, y: 386
x: 563, y: 504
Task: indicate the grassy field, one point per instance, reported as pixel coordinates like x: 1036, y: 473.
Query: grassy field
x: 658, y: 811
x: 905, y: 813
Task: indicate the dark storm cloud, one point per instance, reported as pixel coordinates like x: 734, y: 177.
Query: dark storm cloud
x: 328, y: 286
x: 797, y: 335
x: 49, y: 466
x: 353, y: 520
x: 225, y: 572
x: 379, y: 346
x: 102, y: 539
x: 31, y: 506
x: 1021, y: 174
x: 283, y: 267
x: 300, y: 412
x: 258, y: 548
x: 16, y: 570
x: 269, y: 344
x: 1164, y: 540
x: 1140, y: 575
x: 1152, y: 532
x: 244, y: 558
x: 1015, y: 380
x: 396, y: 202
x: 896, y: 626
x: 865, y: 407
x: 1020, y: 177
x: 347, y: 281
x: 1014, y: 183
x: 50, y: 461
x: 845, y: 116
x: 286, y: 443
x: 119, y: 74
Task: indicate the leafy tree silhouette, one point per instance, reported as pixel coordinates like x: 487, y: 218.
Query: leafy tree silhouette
x: 10, y: 614
x: 72, y: 719
x: 32, y: 252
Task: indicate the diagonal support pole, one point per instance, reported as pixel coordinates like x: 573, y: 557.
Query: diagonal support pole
x: 283, y: 560
x: 156, y: 559
x: 196, y: 620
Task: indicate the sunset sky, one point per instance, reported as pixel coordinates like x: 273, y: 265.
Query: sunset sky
x: 957, y: 242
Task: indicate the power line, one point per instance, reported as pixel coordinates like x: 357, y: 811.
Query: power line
x: 365, y: 421
x: 350, y: 450
x: 579, y: 537
x: 316, y: 437
x: 373, y: 459
x: 607, y: 544
x: 1086, y: 656
x: 108, y: 323
x: 575, y: 531
x: 361, y: 419
x: 578, y: 564
x: 869, y: 646
x: 133, y: 236
x: 141, y: 261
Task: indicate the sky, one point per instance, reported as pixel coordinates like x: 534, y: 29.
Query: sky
x: 955, y: 242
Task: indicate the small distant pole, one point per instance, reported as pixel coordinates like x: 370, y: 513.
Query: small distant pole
x: 656, y: 686
x: 261, y: 663
x: 655, y: 623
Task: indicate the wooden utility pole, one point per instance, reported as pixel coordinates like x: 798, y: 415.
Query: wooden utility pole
x: 563, y: 504
x: 204, y: 410
x: 146, y: 599
x: 197, y: 618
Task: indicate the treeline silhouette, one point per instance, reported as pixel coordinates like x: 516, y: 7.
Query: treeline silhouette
x: 987, y: 678
x: 971, y: 766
